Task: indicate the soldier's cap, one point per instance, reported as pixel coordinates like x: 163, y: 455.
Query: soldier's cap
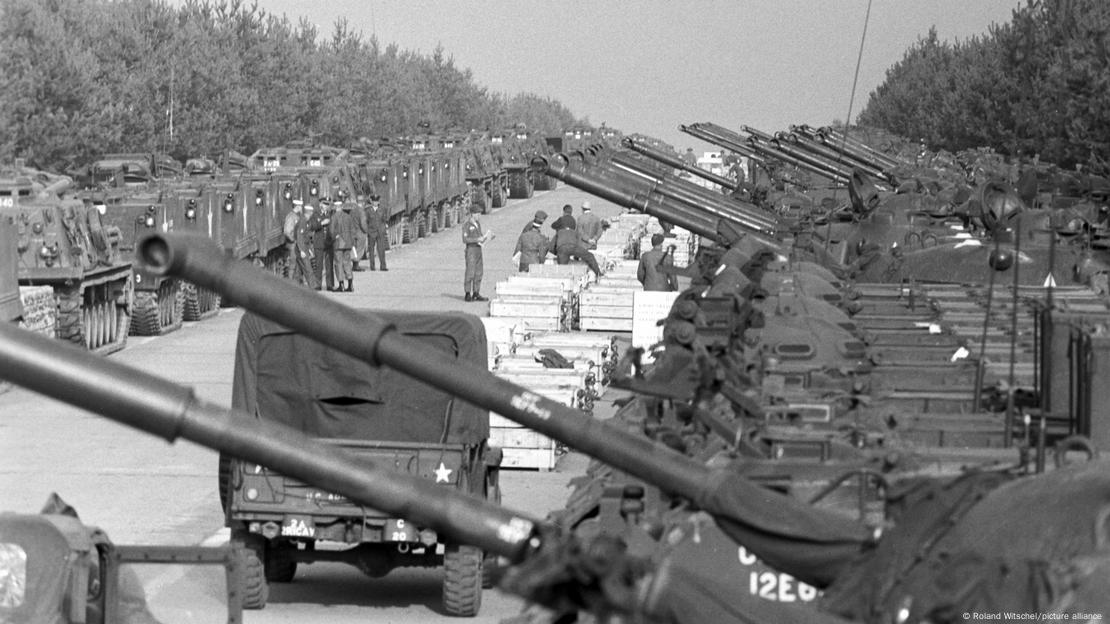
x: 298, y: 202
x: 475, y: 208
x: 375, y: 197
x: 568, y: 209
x: 586, y: 205
x: 325, y: 202
x: 540, y: 217
x: 309, y: 207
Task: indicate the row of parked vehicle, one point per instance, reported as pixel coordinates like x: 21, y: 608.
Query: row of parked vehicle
x: 76, y: 233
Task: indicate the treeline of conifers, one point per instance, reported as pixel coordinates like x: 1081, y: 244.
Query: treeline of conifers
x: 1039, y: 84
x: 85, y: 77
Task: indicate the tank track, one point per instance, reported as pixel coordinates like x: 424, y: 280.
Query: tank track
x: 157, y: 312
x: 520, y: 187
x: 199, y: 303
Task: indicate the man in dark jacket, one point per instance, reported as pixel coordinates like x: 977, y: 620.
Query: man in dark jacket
x: 303, y: 252
x: 532, y: 247
x: 343, y: 231
x: 320, y: 226
x: 377, y: 231
x: 654, y: 263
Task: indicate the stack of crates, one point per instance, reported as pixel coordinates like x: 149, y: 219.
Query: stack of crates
x: 542, y: 299
x: 607, y: 304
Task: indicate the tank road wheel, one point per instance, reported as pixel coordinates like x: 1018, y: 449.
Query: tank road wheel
x: 462, y: 580
x: 280, y: 566
x: 256, y: 591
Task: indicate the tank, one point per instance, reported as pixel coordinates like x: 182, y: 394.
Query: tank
x: 64, y: 243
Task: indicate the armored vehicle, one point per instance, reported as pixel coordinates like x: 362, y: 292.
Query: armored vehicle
x: 374, y: 414
x: 63, y: 243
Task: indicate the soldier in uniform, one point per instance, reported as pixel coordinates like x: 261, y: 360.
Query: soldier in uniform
x: 532, y: 246
x: 303, y: 252
x: 343, y: 231
x: 652, y: 271
x: 377, y: 228
x: 589, y: 227
x: 473, y: 237
x: 322, y: 246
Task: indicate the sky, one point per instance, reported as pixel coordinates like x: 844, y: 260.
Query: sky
x: 651, y: 65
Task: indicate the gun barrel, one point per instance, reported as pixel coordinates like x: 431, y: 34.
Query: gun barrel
x: 171, y: 411
x: 682, y: 190
x: 677, y: 163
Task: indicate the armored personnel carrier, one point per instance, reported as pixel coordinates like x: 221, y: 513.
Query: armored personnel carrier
x: 130, y: 189
x: 64, y: 243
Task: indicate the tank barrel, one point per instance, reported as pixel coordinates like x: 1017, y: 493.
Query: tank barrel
x: 651, y: 196
x: 672, y: 161
x: 170, y: 411
x: 59, y: 186
x: 682, y: 190
x: 841, y: 158
x: 556, y: 167
x: 834, y: 137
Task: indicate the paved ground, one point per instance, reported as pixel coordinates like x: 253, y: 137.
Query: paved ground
x: 142, y: 490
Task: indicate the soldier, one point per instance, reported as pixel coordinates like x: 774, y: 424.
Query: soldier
x: 303, y: 253
x: 566, y: 222
x: 289, y: 228
x: 322, y: 246
x: 532, y: 246
x: 689, y: 158
x: 652, y: 271
x: 377, y: 228
x: 589, y: 227
x: 473, y: 237
x: 343, y: 231
x: 358, y: 214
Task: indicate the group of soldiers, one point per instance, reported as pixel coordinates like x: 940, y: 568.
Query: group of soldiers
x: 325, y: 244
x: 572, y: 239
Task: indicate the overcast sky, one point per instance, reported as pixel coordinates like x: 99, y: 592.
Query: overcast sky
x: 650, y: 65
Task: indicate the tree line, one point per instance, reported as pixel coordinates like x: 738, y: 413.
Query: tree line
x: 1039, y: 84
x: 85, y: 77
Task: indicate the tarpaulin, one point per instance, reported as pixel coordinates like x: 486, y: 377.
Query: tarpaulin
x: 285, y: 377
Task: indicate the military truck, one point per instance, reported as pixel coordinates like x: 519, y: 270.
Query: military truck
x: 375, y: 414
x: 64, y: 244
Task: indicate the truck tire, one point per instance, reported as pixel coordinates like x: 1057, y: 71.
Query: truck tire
x: 462, y: 581
x: 280, y: 565
x: 256, y: 591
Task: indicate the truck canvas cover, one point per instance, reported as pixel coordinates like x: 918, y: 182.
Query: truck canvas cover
x: 285, y: 377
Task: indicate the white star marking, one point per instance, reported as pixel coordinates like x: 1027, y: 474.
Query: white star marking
x: 443, y: 473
